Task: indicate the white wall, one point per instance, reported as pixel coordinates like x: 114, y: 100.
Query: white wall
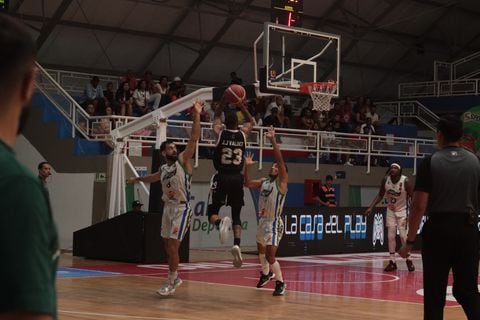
x: 71, y: 194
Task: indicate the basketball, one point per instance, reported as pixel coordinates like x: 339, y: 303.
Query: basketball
x: 234, y: 94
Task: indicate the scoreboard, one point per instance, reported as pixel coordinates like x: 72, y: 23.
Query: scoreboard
x: 287, y: 12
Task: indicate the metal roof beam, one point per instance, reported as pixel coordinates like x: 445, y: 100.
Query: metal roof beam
x: 170, y: 32
x: 206, y: 50
x: 50, y: 25
x: 430, y: 28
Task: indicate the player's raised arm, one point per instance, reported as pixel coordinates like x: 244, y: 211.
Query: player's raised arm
x: 247, y: 181
x: 282, y: 168
x: 189, y: 151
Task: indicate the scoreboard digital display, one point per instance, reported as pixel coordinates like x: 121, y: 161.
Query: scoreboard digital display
x: 287, y: 12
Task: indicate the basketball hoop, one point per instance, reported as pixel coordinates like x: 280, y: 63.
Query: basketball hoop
x: 320, y: 92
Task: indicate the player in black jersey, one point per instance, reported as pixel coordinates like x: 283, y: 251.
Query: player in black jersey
x: 226, y: 185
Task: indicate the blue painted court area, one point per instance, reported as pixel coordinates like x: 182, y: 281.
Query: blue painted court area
x: 63, y: 272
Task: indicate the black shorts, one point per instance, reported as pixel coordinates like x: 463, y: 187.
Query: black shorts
x: 226, y: 189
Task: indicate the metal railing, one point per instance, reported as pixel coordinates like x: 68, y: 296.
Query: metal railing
x: 90, y: 127
x: 74, y: 82
x: 316, y: 145
x: 458, y: 87
x: 407, y: 110
x: 460, y: 77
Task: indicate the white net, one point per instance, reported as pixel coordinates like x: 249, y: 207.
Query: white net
x: 321, y: 94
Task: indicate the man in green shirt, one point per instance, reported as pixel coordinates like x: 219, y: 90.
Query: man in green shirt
x: 28, y: 237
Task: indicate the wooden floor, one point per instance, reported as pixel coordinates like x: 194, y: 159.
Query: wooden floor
x: 210, y: 294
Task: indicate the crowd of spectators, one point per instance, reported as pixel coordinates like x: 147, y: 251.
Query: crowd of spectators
x: 137, y: 96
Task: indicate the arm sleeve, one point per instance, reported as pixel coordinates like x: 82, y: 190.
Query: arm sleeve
x: 28, y: 247
x: 423, y: 181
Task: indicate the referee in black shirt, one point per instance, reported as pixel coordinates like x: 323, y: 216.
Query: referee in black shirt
x: 446, y: 189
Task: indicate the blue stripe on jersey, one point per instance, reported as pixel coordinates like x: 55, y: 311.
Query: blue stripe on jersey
x: 180, y: 232
x: 274, y: 231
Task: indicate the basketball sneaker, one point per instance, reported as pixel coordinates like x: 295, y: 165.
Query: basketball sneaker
x: 225, y: 228
x: 391, y: 266
x: 279, y: 288
x: 237, y: 256
x: 169, y: 288
x: 265, y: 278
x: 410, y: 266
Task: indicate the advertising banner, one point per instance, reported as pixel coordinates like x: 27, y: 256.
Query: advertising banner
x: 204, y: 235
x: 310, y: 231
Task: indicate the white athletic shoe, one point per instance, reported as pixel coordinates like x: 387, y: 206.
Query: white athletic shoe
x: 237, y: 256
x: 169, y: 288
x: 225, y: 228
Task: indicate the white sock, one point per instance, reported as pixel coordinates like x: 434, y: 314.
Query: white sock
x: 278, y: 272
x: 172, y: 276
x: 264, y: 263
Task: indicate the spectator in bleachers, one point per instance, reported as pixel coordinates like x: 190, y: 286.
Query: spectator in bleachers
x: 234, y: 79
x: 94, y: 92
x: 306, y: 120
x: 337, y: 110
x: 273, y: 119
x: 177, y: 89
x: 162, y: 88
x: 277, y: 102
x: 148, y: 77
x: 361, y: 115
x: 90, y: 108
x: 360, y: 103
x: 124, y: 100
x: 107, y: 124
x: 142, y: 100
x: 372, y: 114
x: 367, y: 127
x: 131, y: 79
x: 109, y: 94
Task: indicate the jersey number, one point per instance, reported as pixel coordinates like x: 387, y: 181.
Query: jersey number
x: 230, y: 156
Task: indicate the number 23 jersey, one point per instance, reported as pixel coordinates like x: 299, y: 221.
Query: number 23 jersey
x: 229, y: 152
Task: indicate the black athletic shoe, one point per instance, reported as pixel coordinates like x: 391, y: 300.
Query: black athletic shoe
x: 410, y: 266
x: 279, y: 288
x: 391, y: 266
x: 264, y: 279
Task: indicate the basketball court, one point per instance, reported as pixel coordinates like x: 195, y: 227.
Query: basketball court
x: 346, y: 286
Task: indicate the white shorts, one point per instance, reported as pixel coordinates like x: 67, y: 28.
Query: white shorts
x: 269, y: 231
x: 176, y: 220
x: 396, y: 218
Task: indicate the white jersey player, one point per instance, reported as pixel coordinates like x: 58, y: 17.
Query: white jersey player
x: 175, y: 177
x: 396, y: 188
x: 273, y: 190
